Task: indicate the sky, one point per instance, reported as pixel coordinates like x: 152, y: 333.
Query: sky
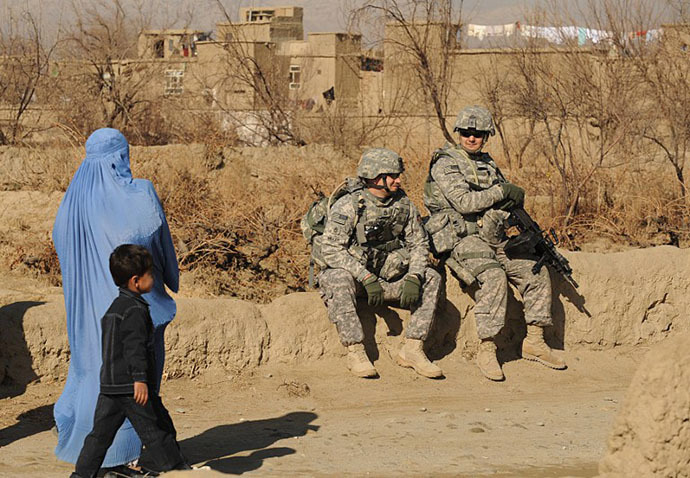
x: 319, y: 15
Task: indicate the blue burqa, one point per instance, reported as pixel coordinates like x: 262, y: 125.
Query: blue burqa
x: 103, y: 208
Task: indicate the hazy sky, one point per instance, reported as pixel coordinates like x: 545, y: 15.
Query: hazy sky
x: 319, y: 15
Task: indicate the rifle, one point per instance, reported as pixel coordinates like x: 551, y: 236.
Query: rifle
x: 535, y: 239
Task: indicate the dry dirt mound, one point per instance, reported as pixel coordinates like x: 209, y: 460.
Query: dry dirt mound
x: 627, y: 298
x: 651, y: 436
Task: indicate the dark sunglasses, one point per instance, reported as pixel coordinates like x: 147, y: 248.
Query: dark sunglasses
x: 393, y: 175
x: 466, y: 133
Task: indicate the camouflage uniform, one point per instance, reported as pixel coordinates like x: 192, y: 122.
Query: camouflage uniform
x: 401, y: 248
x: 463, y: 193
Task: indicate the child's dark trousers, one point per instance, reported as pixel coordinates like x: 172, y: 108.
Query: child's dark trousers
x: 151, y: 422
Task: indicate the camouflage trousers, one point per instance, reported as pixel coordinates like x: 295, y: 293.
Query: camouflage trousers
x: 339, y: 290
x: 493, y: 269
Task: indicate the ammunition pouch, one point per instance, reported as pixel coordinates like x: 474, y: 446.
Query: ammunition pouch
x: 445, y: 229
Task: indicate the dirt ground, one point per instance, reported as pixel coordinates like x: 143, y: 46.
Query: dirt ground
x: 316, y: 420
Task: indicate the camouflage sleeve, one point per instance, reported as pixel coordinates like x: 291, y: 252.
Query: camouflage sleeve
x: 417, y: 242
x: 337, y: 236
x: 451, y: 179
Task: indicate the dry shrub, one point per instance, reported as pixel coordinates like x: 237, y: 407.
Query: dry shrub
x: 38, y: 169
x: 34, y: 256
x: 171, y: 123
x: 234, y: 212
x: 236, y: 225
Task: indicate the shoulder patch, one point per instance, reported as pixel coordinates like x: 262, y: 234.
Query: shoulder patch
x: 339, y: 218
x: 453, y: 168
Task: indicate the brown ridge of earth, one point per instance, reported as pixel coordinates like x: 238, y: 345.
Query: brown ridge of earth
x: 263, y: 389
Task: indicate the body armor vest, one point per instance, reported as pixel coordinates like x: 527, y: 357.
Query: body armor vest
x: 380, y: 228
x: 479, y: 172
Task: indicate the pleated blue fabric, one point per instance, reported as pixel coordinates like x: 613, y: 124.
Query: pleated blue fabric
x: 102, y: 208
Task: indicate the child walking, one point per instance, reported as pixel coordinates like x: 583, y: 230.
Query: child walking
x: 128, y: 372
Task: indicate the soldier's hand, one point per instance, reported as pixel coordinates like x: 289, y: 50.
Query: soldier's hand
x: 516, y: 193
x: 411, y: 291
x: 374, y: 290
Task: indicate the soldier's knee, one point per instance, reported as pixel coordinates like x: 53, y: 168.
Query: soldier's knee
x: 542, y: 278
x: 337, y: 278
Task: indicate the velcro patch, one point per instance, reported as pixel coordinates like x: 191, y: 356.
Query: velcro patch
x: 339, y: 218
x: 453, y: 168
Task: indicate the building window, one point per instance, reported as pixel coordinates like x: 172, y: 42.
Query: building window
x: 259, y: 15
x: 295, y: 77
x: 159, y: 49
x: 173, y: 82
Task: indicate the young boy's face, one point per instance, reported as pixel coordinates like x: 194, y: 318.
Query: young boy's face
x: 141, y: 284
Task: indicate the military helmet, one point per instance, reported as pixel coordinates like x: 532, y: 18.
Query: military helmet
x: 475, y: 118
x: 377, y: 161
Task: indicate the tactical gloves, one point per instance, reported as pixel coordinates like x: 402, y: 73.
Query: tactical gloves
x: 374, y: 290
x: 411, y: 291
x: 513, y: 193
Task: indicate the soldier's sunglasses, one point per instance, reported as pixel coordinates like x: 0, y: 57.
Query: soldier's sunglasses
x: 393, y: 175
x: 466, y: 133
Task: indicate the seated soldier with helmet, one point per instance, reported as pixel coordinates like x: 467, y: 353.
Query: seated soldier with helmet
x: 374, y: 246
x: 469, y: 201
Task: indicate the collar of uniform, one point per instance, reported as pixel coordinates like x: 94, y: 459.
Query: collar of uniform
x: 134, y: 295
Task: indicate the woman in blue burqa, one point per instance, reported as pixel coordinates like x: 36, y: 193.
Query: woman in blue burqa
x: 103, y: 208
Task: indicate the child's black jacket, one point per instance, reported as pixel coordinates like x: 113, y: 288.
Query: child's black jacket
x: 127, y: 342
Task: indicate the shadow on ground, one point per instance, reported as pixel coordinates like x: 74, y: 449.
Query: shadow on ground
x: 29, y: 423
x: 216, y: 445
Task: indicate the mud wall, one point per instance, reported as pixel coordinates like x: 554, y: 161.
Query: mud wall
x: 651, y: 436
x: 626, y: 298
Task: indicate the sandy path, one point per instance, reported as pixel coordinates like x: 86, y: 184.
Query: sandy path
x: 316, y: 420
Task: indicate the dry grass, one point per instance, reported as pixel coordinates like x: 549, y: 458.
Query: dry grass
x: 234, y: 212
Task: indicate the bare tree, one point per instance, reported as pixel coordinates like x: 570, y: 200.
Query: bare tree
x: 425, y: 34
x: 498, y: 90
x: 251, y: 87
x: 679, y: 10
x: 24, y: 67
x: 575, y: 101
x: 663, y: 117
x: 103, y: 82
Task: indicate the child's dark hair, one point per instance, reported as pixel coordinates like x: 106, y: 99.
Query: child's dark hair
x: 129, y: 260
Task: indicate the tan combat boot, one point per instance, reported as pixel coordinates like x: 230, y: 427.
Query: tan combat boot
x: 412, y: 355
x: 358, y: 362
x: 487, y: 361
x: 534, y: 348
